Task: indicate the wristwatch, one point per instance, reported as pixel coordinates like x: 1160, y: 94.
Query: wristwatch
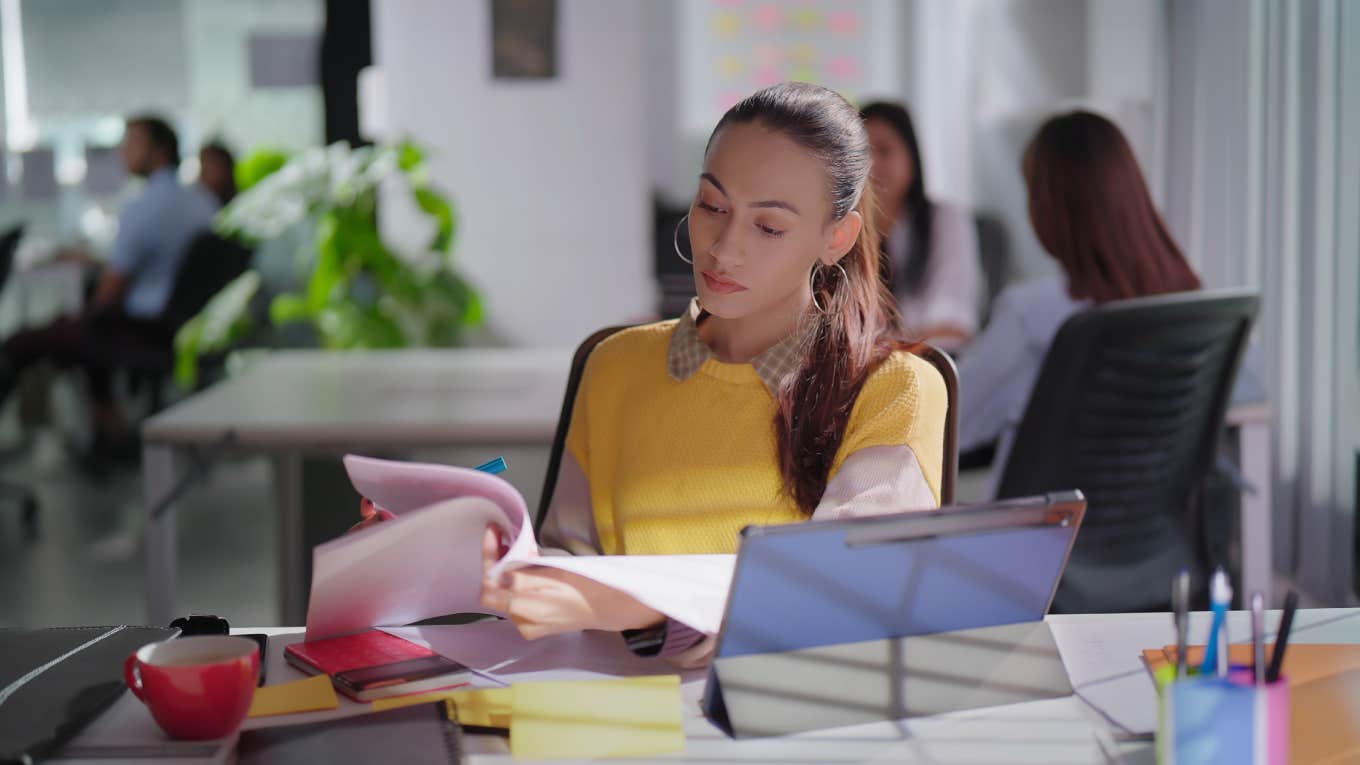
x: 646, y: 641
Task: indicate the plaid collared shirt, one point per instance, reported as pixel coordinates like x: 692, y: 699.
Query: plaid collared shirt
x: 688, y: 351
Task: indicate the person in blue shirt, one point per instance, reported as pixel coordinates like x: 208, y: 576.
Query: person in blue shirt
x: 154, y: 233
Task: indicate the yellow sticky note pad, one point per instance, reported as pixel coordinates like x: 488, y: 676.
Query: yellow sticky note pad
x: 485, y: 707
x: 310, y: 695
x: 597, y: 718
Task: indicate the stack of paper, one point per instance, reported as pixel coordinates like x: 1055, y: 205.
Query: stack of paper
x: 428, y: 561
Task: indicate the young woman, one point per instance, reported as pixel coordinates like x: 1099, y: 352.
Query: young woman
x: 780, y: 395
x: 1092, y: 212
x: 930, y: 252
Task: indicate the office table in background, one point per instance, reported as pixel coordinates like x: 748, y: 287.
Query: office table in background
x: 297, y: 402
x: 292, y: 403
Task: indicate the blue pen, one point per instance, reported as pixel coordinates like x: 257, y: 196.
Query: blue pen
x: 1216, y: 649
x: 494, y: 466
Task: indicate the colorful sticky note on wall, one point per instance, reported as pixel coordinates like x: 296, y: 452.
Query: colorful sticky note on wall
x: 768, y: 18
x: 843, y: 23
x: 726, y: 25
x: 730, y: 66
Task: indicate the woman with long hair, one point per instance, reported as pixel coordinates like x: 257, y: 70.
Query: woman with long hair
x: 1091, y: 211
x: 782, y: 394
x: 930, y: 252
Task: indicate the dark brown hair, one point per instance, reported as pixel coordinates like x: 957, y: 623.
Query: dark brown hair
x: 160, y: 134
x: 1091, y: 211
x: 918, y: 207
x: 860, y: 326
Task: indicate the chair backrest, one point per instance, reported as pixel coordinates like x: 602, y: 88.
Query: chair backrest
x: 1128, y: 408
x: 578, y: 367
x: 208, y: 265
x: 994, y: 253
x: 937, y: 358
x: 9, y: 246
x: 949, y: 471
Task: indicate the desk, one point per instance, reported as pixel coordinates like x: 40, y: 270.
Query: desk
x: 295, y: 402
x: 1115, y: 699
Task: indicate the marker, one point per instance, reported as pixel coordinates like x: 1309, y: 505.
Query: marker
x: 1216, y: 648
x: 1291, y: 604
x: 1258, y: 637
x: 1180, y: 601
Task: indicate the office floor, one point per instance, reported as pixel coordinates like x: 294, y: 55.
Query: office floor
x: 85, y: 565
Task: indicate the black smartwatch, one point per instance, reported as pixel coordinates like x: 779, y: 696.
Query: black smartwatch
x: 201, y: 624
x: 646, y: 641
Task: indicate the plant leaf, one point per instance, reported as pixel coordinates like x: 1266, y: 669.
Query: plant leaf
x: 436, y: 205
x: 288, y: 308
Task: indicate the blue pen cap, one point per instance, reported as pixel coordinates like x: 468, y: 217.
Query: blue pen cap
x: 497, y: 465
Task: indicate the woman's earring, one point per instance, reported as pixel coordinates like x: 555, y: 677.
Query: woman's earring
x: 676, y: 240
x: 812, y: 281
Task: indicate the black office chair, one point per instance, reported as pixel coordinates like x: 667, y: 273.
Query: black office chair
x: 559, y: 444
x: 949, y: 472
x: 27, y: 499
x: 209, y: 264
x: 939, y: 359
x: 994, y: 252
x: 1128, y: 408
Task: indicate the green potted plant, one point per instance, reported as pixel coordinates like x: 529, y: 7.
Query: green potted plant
x: 357, y: 292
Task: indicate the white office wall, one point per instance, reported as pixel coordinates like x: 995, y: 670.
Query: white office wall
x: 980, y: 76
x: 551, y: 178
x: 223, y: 103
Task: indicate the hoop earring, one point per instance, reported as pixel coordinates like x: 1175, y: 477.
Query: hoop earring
x: 675, y: 239
x: 812, y: 283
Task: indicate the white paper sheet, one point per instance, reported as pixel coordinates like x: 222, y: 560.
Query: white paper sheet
x: 424, y: 563
x: 1106, y: 666
x: 428, y: 561
x: 689, y: 588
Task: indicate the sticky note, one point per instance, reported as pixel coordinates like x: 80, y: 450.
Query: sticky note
x: 485, y: 707
x: 622, y: 717
x: 310, y: 695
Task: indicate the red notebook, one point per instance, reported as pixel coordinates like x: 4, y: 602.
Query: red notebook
x: 374, y: 664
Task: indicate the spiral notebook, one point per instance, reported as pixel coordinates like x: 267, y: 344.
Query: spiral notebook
x: 416, y: 735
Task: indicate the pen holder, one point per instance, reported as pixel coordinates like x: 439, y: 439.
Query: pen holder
x: 1215, y: 720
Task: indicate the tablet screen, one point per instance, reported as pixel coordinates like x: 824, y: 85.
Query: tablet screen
x: 820, y: 584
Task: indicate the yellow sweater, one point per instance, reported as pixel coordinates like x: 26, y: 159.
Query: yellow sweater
x: 683, y: 466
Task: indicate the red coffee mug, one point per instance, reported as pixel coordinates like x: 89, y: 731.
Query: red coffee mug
x: 196, y: 687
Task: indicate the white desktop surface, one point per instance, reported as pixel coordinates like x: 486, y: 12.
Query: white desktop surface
x: 1102, y: 654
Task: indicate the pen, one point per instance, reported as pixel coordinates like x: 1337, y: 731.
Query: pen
x: 1180, y: 601
x: 1216, y: 648
x: 1291, y: 604
x: 493, y: 466
x: 1258, y: 637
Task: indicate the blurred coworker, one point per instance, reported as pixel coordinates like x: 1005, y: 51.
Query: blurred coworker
x: 154, y: 231
x: 217, y: 172
x: 930, y: 248
x: 1091, y: 211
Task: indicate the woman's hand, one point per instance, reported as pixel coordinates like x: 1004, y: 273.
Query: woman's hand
x: 544, y: 601
x: 372, y: 515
